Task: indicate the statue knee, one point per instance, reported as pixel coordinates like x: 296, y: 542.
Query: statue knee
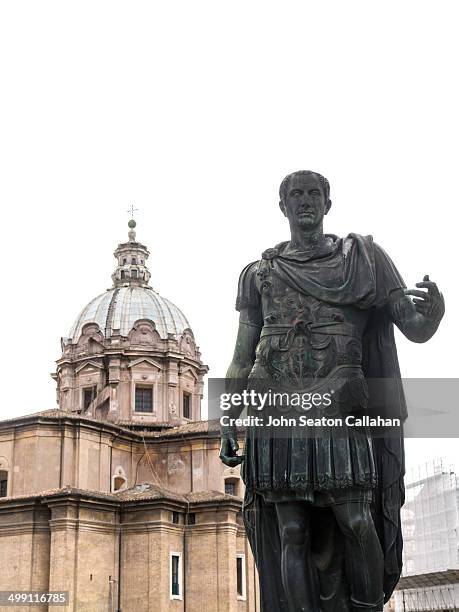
x: 294, y: 532
x: 356, y: 526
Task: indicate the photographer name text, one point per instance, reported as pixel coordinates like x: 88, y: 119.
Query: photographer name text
x: 305, y: 421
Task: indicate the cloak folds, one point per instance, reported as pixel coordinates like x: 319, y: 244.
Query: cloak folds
x: 367, y: 280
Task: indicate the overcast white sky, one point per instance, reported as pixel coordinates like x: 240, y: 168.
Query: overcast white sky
x: 195, y: 111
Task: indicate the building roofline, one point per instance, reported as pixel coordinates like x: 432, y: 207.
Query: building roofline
x: 169, y: 431
x: 431, y: 579
x: 141, y: 495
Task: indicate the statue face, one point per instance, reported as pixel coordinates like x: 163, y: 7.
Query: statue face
x: 305, y: 204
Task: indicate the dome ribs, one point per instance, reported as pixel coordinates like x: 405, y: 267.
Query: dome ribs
x: 110, y: 313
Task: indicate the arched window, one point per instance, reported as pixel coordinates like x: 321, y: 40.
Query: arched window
x: 118, y: 483
x: 122, y: 274
x: 134, y: 261
x: 119, y: 480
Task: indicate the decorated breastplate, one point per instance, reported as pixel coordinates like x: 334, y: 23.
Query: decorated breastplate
x: 303, y: 339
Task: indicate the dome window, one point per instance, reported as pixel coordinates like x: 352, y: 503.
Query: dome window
x: 89, y: 393
x: 134, y: 261
x: 143, y: 399
x: 134, y: 273
x: 123, y: 275
x: 124, y: 261
x: 187, y: 406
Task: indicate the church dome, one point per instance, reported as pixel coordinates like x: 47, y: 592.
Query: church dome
x: 116, y: 311
x: 131, y: 298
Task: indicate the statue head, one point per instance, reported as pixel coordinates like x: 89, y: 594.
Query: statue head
x: 305, y: 198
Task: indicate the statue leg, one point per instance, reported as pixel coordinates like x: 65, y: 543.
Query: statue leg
x: 364, y: 560
x: 297, y: 578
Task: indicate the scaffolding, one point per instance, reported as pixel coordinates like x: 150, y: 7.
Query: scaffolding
x: 429, y: 600
x: 430, y: 523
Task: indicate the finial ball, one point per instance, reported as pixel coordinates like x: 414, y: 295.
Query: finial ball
x: 132, y: 223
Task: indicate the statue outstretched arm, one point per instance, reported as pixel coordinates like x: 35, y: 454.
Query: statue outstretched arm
x: 236, y: 378
x: 418, y: 318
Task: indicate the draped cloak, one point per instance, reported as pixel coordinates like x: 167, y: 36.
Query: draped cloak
x: 368, y: 279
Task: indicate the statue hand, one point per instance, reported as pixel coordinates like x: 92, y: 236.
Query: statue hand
x: 430, y: 304
x: 228, y: 450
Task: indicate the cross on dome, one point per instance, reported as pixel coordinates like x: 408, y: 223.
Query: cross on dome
x: 131, y: 210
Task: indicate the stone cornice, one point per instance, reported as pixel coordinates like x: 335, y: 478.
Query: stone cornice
x: 19, y: 504
x: 71, y: 497
x: 74, y: 421
x: 167, y: 352
x: 69, y: 420
x: 72, y: 524
x: 12, y: 529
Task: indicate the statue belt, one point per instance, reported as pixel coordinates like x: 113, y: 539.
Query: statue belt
x: 331, y: 328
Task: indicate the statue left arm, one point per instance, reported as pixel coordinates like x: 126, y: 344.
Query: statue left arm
x: 419, y: 318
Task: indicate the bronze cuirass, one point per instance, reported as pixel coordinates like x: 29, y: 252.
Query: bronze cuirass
x: 303, y: 339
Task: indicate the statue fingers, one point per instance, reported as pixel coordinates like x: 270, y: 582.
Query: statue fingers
x: 423, y: 308
x: 417, y: 293
x: 430, y: 286
x: 232, y: 461
x: 234, y: 445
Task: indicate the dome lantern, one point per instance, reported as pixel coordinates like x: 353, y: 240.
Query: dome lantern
x: 131, y: 257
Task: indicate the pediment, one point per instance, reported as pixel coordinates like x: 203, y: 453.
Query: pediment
x: 189, y: 370
x: 145, y: 363
x: 89, y: 366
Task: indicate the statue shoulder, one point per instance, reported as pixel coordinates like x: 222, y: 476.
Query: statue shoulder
x: 249, y: 272
x: 367, y: 245
x: 387, y: 277
x: 273, y: 251
x: 248, y: 294
x: 366, y: 241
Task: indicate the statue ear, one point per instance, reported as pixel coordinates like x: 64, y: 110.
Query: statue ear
x: 328, y: 206
x: 282, y: 207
